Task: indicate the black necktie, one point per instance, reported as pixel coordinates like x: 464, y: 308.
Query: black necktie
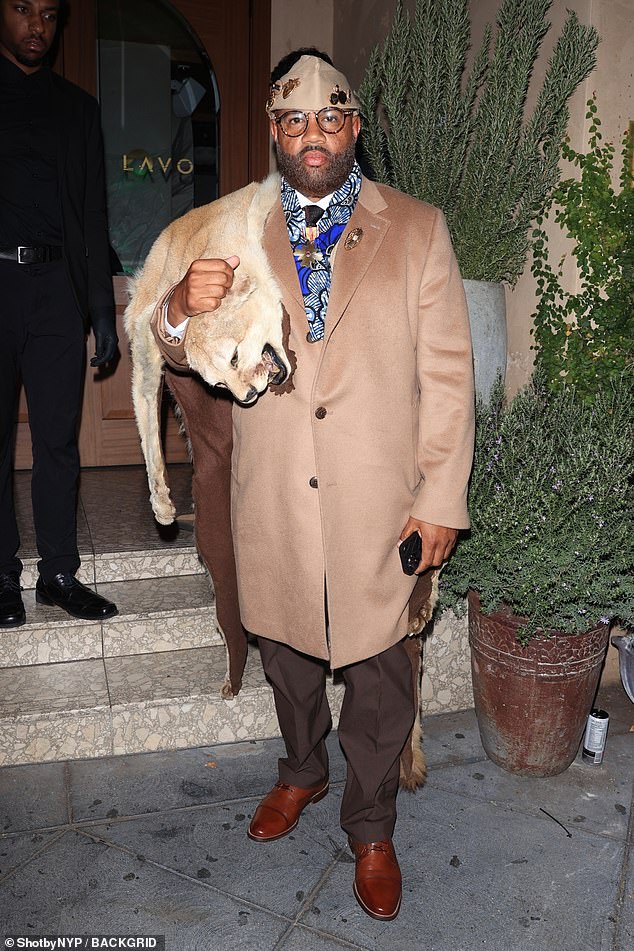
x: 313, y: 214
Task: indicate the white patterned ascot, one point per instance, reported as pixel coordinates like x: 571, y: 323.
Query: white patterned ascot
x: 312, y: 258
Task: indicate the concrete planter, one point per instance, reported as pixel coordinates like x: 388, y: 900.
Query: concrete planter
x: 625, y: 646
x: 487, y: 317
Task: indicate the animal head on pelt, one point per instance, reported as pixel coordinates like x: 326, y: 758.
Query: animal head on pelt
x: 239, y: 345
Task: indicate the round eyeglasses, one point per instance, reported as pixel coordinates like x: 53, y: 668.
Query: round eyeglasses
x: 329, y: 120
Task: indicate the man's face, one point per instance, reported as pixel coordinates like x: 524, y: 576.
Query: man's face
x: 316, y: 163
x: 27, y: 29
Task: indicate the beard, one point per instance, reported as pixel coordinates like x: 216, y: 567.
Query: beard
x: 31, y: 59
x: 316, y: 182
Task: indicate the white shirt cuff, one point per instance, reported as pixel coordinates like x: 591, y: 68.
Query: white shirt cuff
x: 176, y: 331
x: 173, y: 331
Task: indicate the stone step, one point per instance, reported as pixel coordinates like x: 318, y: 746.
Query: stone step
x: 127, y: 565
x: 155, y: 615
x: 160, y: 563
x: 131, y: 704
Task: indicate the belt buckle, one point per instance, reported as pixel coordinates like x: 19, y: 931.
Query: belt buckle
x: 28, y: 255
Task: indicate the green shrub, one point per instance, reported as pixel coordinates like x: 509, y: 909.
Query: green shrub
x: 552, y: 510
x: 586, y: 339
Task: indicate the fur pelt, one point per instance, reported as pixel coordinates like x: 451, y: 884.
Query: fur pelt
x: 413, y: 766
x: 226, y: 347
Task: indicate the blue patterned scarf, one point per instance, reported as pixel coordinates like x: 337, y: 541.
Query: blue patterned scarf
x: 312, y: 258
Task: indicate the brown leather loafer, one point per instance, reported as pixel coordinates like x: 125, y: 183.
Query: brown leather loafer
x: 279, y: 811
x: 377, y: 879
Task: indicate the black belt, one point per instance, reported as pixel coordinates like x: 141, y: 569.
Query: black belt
x: 39, y: 254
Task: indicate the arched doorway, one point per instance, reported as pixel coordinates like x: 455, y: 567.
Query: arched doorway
x: 170, y: 48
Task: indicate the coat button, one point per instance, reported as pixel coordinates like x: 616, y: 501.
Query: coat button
x: 313, y: 483
x: 320, y: 412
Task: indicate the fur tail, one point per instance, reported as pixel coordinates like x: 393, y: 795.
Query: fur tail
x: 414, y: 776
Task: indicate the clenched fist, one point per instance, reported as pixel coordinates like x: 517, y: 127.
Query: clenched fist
x: 202, y: 289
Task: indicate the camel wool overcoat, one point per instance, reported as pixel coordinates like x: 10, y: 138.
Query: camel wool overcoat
x: 377, y: 425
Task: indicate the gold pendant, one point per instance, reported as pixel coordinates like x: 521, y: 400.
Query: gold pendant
x: 308, y: 255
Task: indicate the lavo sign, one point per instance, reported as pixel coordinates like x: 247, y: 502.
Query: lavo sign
x: 136, y: 166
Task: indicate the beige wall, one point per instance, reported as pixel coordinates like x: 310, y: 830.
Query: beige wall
x: 296, y: 24
x: 350, y: 28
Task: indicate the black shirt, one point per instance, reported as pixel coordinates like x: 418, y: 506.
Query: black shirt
x: 30, y: 212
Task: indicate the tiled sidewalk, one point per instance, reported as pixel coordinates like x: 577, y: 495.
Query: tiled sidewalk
x: 156, y: 844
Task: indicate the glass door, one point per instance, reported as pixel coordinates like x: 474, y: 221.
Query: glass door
x: 160, y: 105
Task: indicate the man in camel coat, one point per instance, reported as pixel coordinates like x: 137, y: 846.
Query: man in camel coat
x: 370, y: 440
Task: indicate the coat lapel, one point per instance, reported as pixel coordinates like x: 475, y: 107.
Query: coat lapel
x: 353, y: 261
x: 278, y: 250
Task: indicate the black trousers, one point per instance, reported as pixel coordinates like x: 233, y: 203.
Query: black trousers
x: 41, y: 342
x: 375, y: 721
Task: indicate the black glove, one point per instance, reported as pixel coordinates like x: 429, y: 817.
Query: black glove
x: 106, y: 340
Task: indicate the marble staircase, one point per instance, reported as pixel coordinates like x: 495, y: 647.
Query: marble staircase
x: 146, y: 680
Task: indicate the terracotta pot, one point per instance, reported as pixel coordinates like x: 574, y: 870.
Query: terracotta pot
x: 532, y: 702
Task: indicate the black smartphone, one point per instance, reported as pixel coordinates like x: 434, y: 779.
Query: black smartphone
x: 410, y: 550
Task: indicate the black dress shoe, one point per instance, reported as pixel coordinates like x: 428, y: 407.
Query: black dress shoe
x: 12, y: 613
x: 75, y: 598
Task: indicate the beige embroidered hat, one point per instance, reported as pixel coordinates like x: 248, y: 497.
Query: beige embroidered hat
x: 311, y: 84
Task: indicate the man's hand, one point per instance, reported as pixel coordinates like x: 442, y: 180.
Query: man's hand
x: 106, y: 341
x: 202, y: 289
x: 438, y: 542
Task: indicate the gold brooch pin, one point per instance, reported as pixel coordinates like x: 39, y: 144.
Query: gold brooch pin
x: 339, y: 96
x: 353, y: 239
x: 289, y: 86
x: 272, y: 94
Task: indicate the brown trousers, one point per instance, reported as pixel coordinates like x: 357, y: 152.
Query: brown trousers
x: 375, y: 721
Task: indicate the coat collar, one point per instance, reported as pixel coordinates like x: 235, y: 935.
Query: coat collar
x: 351, y: 263
x: 371, y: 198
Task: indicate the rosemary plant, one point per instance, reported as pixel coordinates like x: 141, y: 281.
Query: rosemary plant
x: 458, y: 138
x: 552, y: 508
